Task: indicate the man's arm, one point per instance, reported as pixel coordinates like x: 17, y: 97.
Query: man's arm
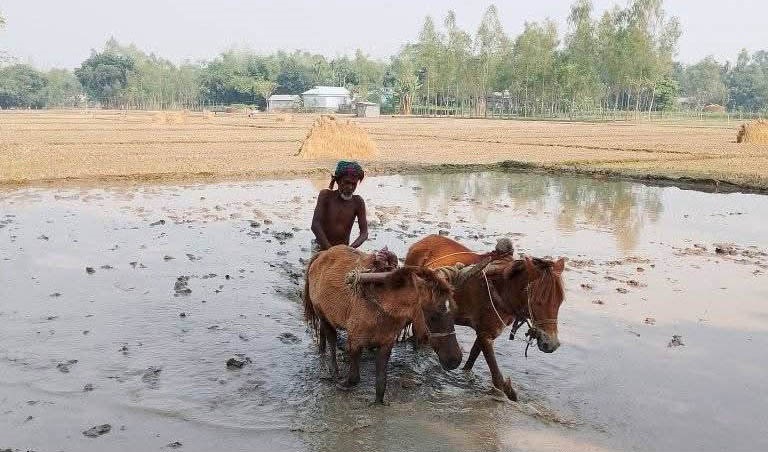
x: 317, y: 220
x: 362, y: 223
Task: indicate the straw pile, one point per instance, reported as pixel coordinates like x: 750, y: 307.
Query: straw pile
x: 172, y: 117
x: 755, y: 132
x: 333, y: 139
x: 713, y: 108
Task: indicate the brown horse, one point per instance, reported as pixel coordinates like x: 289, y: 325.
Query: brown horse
x: 373, y: 308
x: 509, y: 292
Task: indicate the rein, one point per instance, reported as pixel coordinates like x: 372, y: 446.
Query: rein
x: 534, y: 330
x: 534, y: 327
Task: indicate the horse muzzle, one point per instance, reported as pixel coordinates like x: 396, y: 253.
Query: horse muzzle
x: 448, y: 351
x: 547, y: 343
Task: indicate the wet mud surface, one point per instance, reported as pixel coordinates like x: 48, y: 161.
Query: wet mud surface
x: 158, y: 318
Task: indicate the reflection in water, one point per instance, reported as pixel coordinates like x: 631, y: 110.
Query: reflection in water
x: 620, y: 207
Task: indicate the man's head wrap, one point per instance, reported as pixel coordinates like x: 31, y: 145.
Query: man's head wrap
x: 345, y: 168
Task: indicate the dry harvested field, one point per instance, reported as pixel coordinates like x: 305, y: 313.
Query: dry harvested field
x: 61, y: 146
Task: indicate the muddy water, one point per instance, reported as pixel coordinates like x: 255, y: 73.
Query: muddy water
x: 665, y: 339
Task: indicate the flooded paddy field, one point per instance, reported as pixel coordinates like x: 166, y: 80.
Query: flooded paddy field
x: 122, y: 305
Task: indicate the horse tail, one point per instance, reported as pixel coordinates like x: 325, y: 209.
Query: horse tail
x: 310, y: 316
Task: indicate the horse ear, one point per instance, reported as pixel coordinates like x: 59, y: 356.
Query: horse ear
x: 559, y: 266
x: 530, y: 268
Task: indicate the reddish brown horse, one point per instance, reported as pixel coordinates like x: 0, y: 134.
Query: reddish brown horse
x: 373, y: 308
x: 508, y: 292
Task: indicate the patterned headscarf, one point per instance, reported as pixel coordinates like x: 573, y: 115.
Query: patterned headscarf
x: 344, y: 168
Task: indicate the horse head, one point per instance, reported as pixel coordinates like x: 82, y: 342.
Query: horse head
x: 431, y: 296
x: 544, y: 295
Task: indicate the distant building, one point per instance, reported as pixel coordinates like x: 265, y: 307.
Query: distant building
x: 329, y: 98
x: 367, y: 110
x: 283, y: 102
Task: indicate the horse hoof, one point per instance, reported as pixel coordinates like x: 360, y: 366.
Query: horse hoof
x: 510, y: 392
x: 377, y: 403
x: 346, y: 385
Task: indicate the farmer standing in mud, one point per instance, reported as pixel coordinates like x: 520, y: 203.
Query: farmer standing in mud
x: 336, y: 210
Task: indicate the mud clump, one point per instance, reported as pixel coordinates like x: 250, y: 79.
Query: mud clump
x: 676, y: 341
x: 288, y: 338
x: 151, y: 376
x: 96, y: 431
x: 181, y: 287
x: 238, y: 361
x: 64, y: 367
x: 282, y: 236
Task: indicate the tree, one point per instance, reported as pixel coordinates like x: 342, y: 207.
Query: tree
x: 21, y: 86
x: 580, y: 58
x: 703, y: 83
x: 104, y: 77
x: 428, y: 51
x: 406, y: 80
x: 747, y: 82
x: 666, y: 93
x: 62, y: 89
x: 489, y: 41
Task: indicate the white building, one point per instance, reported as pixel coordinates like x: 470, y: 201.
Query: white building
x: 284, y: 102
x: 367, y: 110
x: 329, y: 98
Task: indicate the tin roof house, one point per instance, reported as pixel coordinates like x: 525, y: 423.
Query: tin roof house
x: 283, y: 102
x: 326, y: 98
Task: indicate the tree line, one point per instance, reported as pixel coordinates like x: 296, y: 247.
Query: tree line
x: 622, y: 60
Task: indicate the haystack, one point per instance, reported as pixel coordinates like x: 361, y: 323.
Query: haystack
x: 755, y: 132
x: 170, y: 117
x: 713, y: 108
x: 330, y: 138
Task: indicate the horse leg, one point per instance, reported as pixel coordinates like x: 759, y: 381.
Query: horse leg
x: 353, y: 378
x: 321, y: 339
x: 473, y: 354
x: 486, y: 345
x: 328, y: 336
x: 382, y: 361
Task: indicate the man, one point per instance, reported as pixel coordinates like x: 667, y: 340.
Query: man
x: 336, y: 210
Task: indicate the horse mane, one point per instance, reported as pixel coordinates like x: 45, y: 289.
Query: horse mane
x: 402, y: 276
x: 548, y: 287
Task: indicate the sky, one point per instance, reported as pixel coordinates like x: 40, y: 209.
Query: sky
x: 61, y: 33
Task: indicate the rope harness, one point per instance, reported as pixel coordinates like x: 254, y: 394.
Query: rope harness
x: 534, y: 327
x: 429, y: 264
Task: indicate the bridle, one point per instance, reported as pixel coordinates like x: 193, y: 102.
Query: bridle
x: 438, y: 335
x: 534, y: 326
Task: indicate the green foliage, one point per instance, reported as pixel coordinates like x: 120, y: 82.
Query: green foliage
x: 104, y: 77
x: 620, y: 61
x: 748, y: 82
x: 704, y: 84
x: 62, y: 89
x: 21, y: 86
x: 667, y: 92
